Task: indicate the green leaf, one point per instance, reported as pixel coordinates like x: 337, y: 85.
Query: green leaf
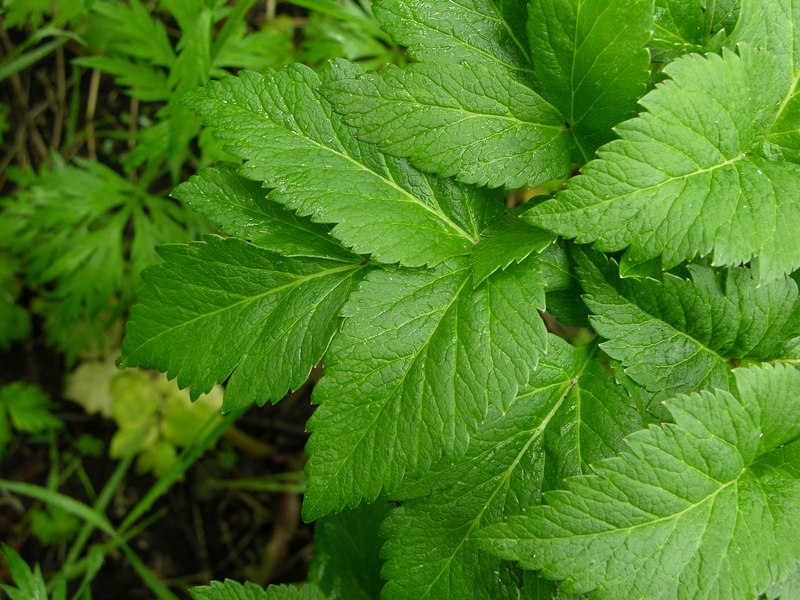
x: 507, y: 240
x: 556, y: 267
x: 144, y: 81
x: 271, y: 46
x: 571, y: 413
x: 28, y: 407
x: 419, y: 359
x: 346, y: 29
x: 158, y: 459
x: 591, y: 62
x: 132, y: 30
x: 773, y: 26
x: 183, y: 421
x: 680, y: 335
x: 192, y: 67
x: 232, y: 590
x: 686, y: 178
x: 703, y: 508
x: 17, y: 62
x: 485, y: 122
x: 53, y: 525
x: 673, y: 36
x: 88, y: 385
x: 476, y: 31
x: 241, y: 208
x: 792, y: 353
x: 538, y: 588
x: 721, y: 14
x: 24, y: 13
x: 40, y: 219
x: 293, y: 142
x: 347, y: 561
x: 787, y: 589
x: 28, y: 583
x: 249, y: 311
x: 684, y: 26
x: 109, y: 227
x: 477, y: 122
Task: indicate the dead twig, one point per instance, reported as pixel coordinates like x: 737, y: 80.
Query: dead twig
x: 19, y: 147
x: 59, y: 116
x: 248, y: 444
x: 91, y: 106
x: 276, y: 550
x: 36, y: 139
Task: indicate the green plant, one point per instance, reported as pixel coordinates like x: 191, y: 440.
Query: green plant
x: 96, y: 135
x: 109, y: 225
x: 27, y: 583
x: 24, y: 408
x: 346, y: 29
x: 78, y: 232
x: 660, y: 461
x: 168, y: 417
x: 130, y: 42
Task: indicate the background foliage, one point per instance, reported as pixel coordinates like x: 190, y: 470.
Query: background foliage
x: 95, y: 137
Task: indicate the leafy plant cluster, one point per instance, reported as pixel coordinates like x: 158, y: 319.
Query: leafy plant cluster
x: 366, y: 228
x: 77, y: 231
x: 94, y: 136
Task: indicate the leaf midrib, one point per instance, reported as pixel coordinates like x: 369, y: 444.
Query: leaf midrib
x: 361, y: 167
x: 651, y: 523
x: 470, y: 114
x: 503, y: 479
x: 792, y: 89
x: 297, y: 281
x: 635, y: 191
x: 387, y: 400
x: 790, y: 95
